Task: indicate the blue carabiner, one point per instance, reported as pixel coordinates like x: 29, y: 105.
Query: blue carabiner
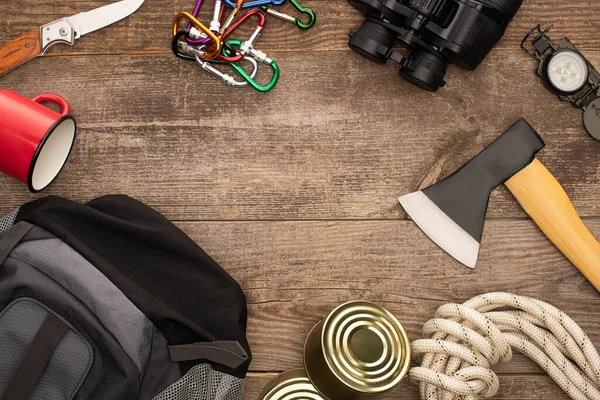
x: 254, y: 3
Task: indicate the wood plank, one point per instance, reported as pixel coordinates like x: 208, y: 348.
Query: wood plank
x: 295, y: 273
x: 511, y: 387
x: 338, y: 138
x: 149, y: 28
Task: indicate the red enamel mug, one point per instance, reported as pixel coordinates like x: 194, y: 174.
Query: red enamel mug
x: 35, y: 141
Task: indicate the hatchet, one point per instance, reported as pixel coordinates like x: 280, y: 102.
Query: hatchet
x: 452, y: 212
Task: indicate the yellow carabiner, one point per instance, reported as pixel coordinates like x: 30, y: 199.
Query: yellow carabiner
x: 210, y: 54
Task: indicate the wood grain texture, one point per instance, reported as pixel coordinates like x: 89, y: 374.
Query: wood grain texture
x: 294, y: 273
x: 512, y: 387
x: 250, y: 177
x: 340, y: 137
x: 148, y: 29
x: 20, y: 50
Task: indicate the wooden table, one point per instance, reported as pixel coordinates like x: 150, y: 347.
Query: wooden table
x: 295, y: 192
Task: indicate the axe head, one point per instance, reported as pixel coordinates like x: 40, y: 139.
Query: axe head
x: 452, y: 212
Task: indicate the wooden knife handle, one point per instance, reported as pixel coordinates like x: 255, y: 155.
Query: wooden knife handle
x: 547, y: 203
x: 20, y: 50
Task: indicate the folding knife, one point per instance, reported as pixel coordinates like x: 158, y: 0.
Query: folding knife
x: 65, y: 30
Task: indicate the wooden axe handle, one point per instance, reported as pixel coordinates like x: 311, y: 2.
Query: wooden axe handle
x: 547, y: 203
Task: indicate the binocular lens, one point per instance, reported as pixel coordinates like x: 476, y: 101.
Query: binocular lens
x: 424, y: 70
x: 372, y: 41
x: 436, y: 33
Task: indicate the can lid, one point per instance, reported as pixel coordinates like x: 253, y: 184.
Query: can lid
x: 365, y: 347
x: 291, y: 385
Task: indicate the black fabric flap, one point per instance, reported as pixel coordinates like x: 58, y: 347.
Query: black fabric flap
x: 186, y: 294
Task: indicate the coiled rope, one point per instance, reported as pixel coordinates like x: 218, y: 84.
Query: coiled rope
x: 466, y: 340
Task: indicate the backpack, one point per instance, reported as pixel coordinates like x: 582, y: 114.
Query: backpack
x: 109, y: 300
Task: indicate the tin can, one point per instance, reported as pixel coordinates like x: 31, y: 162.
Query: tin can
x: 359, y: 351
x: 291, y: 385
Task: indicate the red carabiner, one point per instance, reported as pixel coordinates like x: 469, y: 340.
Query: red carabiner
x: 250, y: 42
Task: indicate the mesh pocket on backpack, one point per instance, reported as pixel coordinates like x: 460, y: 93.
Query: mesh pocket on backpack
x: 8, y: 221
x: 202, y: 382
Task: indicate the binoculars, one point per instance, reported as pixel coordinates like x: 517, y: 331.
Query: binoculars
x: 437, y: 33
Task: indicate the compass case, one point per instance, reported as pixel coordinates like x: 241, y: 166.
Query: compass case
x: 359, y: 351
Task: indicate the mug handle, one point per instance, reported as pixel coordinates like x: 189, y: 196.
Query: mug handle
x: 56, y: 99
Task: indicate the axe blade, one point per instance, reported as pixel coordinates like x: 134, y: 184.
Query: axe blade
x: 440, y: 228
x: 452, y: 212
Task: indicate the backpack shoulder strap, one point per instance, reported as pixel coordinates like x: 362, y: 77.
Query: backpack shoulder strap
x: 12, y: 238
x: 228, y: 353
x: 36, y: 359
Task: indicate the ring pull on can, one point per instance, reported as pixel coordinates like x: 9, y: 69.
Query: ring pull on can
x: 228, y: 79
x: 197, y: 28
x: 312, y: 18
x: 260, y: 57
x: 255, y: 3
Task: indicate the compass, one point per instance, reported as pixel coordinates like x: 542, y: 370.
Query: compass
x: 567, y: 71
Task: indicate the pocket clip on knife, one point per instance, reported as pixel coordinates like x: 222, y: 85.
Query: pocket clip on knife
x: 65, y: 30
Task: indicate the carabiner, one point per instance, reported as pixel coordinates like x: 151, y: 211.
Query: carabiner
x: 232, y: 16
x: 215, y: 24
x: 195, y: 34
x: 228, y: 79
x: 296, y: 21
x: 175, y: 45
x: 260, y: 57
x: 255, y: 3
x: 195, y: 15
x: 247, y: 46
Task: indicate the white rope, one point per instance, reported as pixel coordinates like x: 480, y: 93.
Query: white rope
x: 465, y: 341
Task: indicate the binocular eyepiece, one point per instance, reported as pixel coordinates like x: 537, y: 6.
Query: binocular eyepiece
x: 437, y: 33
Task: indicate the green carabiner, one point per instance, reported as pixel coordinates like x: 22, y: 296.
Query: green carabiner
x: 296, y: 21
x: 258, y: 56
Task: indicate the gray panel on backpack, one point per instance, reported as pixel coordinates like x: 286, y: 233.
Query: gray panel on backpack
x: 82, y: 321
x: 132, y: 329
x: 70, y: 363
x: 96, y: 298
x: 113, y: 373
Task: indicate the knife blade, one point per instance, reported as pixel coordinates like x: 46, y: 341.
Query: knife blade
x: 91, y: 21
x: 65, y: 30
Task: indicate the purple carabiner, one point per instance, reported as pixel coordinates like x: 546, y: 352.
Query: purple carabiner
x: 254, y: 3
x: 195, y: 15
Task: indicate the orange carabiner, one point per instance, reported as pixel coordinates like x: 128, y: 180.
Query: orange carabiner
x: 232, y: 16
x: 211, y: 52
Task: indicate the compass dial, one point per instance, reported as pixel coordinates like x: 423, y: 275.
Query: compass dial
x: 567, y: 71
